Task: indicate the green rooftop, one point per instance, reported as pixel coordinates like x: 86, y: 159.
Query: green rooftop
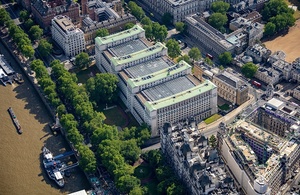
x: 116, y: 61
x: 179, y: 97
x: 182, y: 65
x: 119, y: 36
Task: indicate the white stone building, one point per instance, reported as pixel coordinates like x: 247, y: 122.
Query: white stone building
x: 153, y: 88
x: 67, y: 36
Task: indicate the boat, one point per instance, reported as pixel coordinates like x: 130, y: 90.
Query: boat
x: 53, y: 168
x: 15, y: 120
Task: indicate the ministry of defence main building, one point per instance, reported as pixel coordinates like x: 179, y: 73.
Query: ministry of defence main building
x: 152, y: 86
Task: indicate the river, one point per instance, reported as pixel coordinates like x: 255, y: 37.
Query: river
x: 21, y: 170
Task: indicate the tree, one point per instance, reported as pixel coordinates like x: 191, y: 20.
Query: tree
x: 225, y: 58
x: 24, y: 15
x: 218, y: 20
x: 103, y: 87
x: 146, y: 21
x: 220, y: 7
x: 137, y: 190
x: 213, y: 141
x: 173, y: 48
x: 82, y: 60
x: 35, y: 32
x: 185, y: 57
x: 180, y: 27
x: 274, y: 8
x: 148, y: 32
x: 129, y: 25
x: 127, y: 183
x: 159, y: 32
x: 87, y: 159
x: 270, y: 29
x: 103, y: 32
x: 249, y: 69
x: 4, y: 16
x: 27, y: 51
x: 283, y: 21
x: 163, y: 173
x: 130, y: 151
x: 167, y: 18
x: 195, y: 53
x: 28, y: 23
x: 208, y: 61
x: 136, y: 10
x: 44, y: 48
x: 175, y: 189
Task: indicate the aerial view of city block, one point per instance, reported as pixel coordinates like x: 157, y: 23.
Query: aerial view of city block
x: 150, y: 97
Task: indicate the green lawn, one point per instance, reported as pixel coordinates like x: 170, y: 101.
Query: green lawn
x: 142, y: 171
x: 84, y: 75
x: 212, y: 119
x: 224, y: 107
x: 114, y: 117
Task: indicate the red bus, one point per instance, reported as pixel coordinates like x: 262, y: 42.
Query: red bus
x: 209, y: 56
x: 257, y: 84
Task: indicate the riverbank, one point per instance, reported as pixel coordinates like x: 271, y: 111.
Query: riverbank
x: 21, y: 169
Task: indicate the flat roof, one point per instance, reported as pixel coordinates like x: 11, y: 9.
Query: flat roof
x: 138, y: 55
x: 188, y: 93
x: 5, y: 66
x: 128, y: 48
x: 64, y: 23
x: 119, y: 36
x: 148, y: 67
x: 275, y: 103
x: 174, y: 69
x: 227, y: 80
x: 168, y: 88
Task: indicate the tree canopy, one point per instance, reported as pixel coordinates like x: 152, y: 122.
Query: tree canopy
x: 195, y: 53
x: 180, y: 27
x: 218, y: 20
x: 278, y: 15
x: 213, y: 141
x: 35, y: 32
x: 173, y: 48
x: 225, y: 58
x: 82, y: 60
x: 137, y: 11
x: 249, y: 69
x: 44, y: 48
x: 185, y: 57
x: 103, y: 87
x: 220, y: 7
x: 129, y: 25
x: 102, y: 32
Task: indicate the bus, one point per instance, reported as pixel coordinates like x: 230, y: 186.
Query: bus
x: 257, y: 84
x: 209, y: 56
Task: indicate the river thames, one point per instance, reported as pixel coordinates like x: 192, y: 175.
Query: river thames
x: 21, y: 170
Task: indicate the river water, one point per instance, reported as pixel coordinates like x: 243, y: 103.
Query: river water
x: 21, y: 170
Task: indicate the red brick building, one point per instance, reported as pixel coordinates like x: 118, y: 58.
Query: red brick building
x: 45, y: 10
